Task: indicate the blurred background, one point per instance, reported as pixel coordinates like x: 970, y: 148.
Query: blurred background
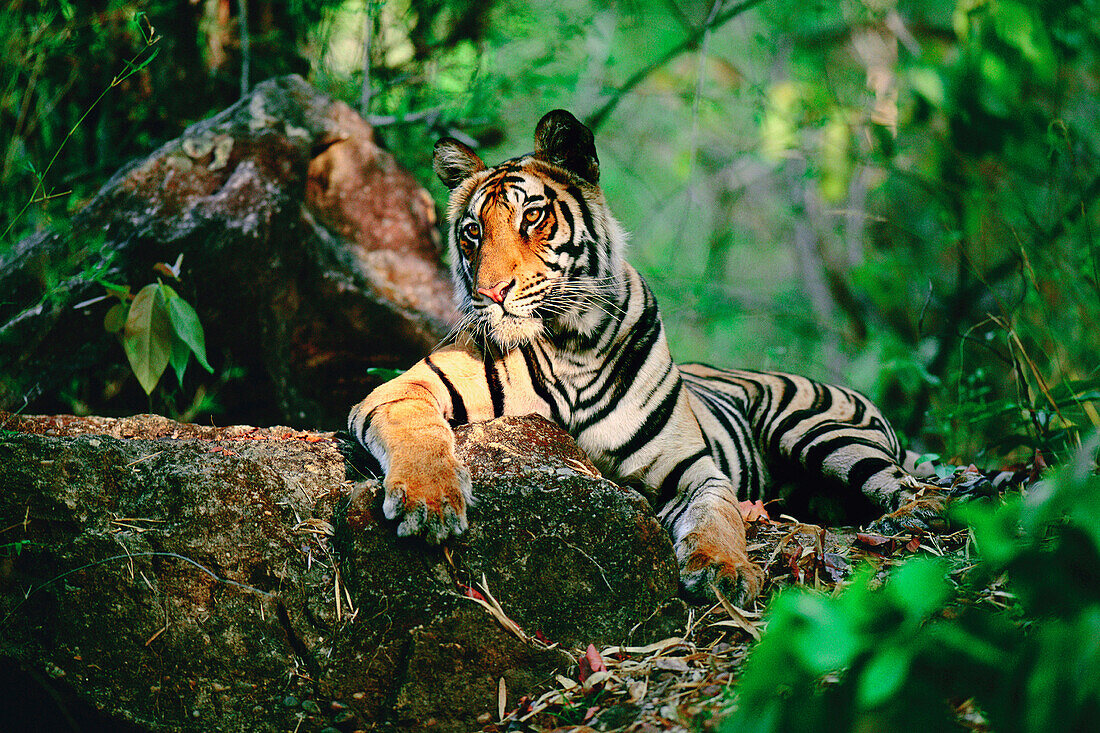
x: 899, y: 196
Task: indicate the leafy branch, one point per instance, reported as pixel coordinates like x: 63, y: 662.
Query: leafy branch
x: 691, y: 43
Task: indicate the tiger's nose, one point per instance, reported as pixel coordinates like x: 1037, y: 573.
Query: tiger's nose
x: 498, y: 292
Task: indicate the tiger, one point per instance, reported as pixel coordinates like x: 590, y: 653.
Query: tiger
x: 554, y: 321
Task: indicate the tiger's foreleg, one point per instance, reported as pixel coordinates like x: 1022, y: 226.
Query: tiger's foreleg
x: 708, y: 534
x: 403, y: 424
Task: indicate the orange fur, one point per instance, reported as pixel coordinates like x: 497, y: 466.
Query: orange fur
x: 718, y: 547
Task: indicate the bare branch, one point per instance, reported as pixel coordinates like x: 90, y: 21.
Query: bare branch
x: 246, y: 45
x: 368, y: 34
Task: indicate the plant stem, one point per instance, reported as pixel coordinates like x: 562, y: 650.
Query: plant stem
x: 132, y: 67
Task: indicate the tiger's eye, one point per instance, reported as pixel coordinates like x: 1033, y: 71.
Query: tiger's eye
x: 533, y: 216
x: 472, y: 230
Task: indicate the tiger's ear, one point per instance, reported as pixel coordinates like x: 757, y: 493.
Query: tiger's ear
x: 561, y: 139
x: 454, y: 162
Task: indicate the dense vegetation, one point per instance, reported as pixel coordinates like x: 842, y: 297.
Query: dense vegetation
x: 901, y: 196
x: 1002, y: 638
x: 897, y: 196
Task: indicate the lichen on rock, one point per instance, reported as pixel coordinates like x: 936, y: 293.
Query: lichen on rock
x: 180, y: 577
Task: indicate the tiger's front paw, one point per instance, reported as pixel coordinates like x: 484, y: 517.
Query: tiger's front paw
x: 730, y: 574
x: 428, y: 498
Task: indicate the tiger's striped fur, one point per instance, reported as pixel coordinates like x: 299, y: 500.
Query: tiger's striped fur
x: 555, y: 322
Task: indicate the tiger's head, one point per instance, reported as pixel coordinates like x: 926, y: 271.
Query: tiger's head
x: 534, y: 249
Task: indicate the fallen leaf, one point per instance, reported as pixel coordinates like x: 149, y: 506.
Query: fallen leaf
x: 836, y: 567
x: 589, y: 663
x: 596, y: 681
x: 471, y: 592
x: 753, y: 511
x: 871, y: 540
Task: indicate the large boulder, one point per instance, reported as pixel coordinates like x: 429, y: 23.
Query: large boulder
x: 308, y: 253
x: 168, y: 576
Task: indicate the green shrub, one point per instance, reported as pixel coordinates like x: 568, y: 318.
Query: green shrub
x: 1011, y: 636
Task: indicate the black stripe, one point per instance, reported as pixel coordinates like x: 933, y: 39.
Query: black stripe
x: 821, y: 404
x: 361, y: 435
x: 567, y: 217
x: 586, y: 215
x: 864, y: 469
x: 625, y: 364
x: 737, y: 434
x: 654, y: 423
x: 364, y: 457
x: 539, y: 384
x: 496, y: 393
x: 671, y: 483
x: 458, y: 407
x: 814, y: 458
x: 775, y: 411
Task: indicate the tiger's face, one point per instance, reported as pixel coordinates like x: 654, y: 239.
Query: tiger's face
x: 533, y: 249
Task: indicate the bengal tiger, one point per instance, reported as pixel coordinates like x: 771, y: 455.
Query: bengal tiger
x: 555, y: 322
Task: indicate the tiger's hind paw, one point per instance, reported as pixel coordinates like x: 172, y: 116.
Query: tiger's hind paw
x: 736, y: 580
x: 923, y: 514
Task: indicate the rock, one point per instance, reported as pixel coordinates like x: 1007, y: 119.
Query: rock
x: 168, y: 576
x: 308, y: 254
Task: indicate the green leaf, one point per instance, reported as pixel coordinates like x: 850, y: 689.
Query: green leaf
x: 918, y: 587
x: 115, y: 320
x: 822, y: 637
x: 146, y: 62
x: 181, y: 353
x: 185, y: 322
x: 996, y: 530
x: 383, y: 373
x: 147, y: 337
x: 928, y: 83
x: 883, y: 676
x: 122, y: 292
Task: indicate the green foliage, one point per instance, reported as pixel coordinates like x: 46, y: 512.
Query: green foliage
x: 14, y: 549
x: 982, y: 174
x: 902, y: 197
x: 32, y: 42
x: 383, y: 374
x: 157, y: 328
x: 898, y: 655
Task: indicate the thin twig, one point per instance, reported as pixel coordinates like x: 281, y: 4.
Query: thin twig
x: 368, y: 33
x: 129, y: 557
x: 246, y: 45
x: 131, y: 67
